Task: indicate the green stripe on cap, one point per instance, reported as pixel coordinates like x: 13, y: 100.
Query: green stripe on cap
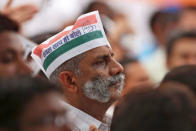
x: 70, y: 45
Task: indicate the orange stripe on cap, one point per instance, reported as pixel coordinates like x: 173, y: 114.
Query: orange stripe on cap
x: 88, y: 20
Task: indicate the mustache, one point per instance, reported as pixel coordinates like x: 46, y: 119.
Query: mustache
x: 98, y: 87
x: 116, y: 79
x: 119, y: 78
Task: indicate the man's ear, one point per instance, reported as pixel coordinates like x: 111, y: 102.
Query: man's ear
x: 68, y: 80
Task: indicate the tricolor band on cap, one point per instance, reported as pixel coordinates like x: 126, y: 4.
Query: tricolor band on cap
x: 87, y: 33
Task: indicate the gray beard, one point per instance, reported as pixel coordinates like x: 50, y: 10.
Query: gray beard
x: 99, y: 88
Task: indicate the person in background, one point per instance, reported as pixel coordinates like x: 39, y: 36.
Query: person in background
x: 30, y: 104
x: 161, y: 23
x: 135, y: 74
x: 184, y: 75
x: 11, y: 49
x: 169, y: 107
x: 101, y: 6
x: 181, y: 49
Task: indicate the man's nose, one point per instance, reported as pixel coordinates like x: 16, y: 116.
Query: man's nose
x: 192, y: 61
x: 116, y: 68
x: 23, y: 68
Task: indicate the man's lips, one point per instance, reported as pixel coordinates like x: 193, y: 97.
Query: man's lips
x: 115, y: 84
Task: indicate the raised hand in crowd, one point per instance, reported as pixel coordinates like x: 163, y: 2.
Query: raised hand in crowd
x: 20, y: 13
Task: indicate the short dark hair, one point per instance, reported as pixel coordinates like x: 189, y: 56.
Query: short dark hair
x: 92, y: 6
x: 184, y: 74
x: 164, y: 16
x: 177, y: 35
x: 15, y: 94
x: 191, y: 8
x: 150, y: 109
x: 7, y: 24
x: 42, y: 37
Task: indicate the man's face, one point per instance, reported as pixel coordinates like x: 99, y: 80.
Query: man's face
x: 11, y: 56
x: 183, y: 53
x: 50, y: 117
x: 101, y: 75
x: 135, y: 76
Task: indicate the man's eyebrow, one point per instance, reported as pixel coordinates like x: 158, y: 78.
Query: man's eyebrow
x: 102, y: 56
x: 105, y: 55
x: 112, y: 54
x: 8, y: 51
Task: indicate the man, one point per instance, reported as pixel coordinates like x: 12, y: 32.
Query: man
x: 11, y: 50
x: 181, y: 49
x: 161, y: 23
x: 81, y: 60
x: 29, y: 104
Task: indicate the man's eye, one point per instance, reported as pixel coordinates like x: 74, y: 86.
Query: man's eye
x: 184, y: 56
x: 8, y: 58
x: 29, y: 58
x: 102, y: 62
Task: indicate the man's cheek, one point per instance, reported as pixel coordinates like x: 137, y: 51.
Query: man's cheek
x: 8, y: 69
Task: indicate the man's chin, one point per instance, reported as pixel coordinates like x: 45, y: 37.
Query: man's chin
x: 116, y: 90
x: 115, y: 94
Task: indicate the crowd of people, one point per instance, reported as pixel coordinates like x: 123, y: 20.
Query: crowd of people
x: 83, y: 78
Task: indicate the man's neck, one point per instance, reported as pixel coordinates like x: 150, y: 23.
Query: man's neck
x: 94, y: 108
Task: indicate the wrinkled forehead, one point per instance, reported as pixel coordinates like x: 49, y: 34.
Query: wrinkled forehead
x: 102, y: 50
x: 8, y: 38
x: 185, y: 41
x: 8, y: 34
